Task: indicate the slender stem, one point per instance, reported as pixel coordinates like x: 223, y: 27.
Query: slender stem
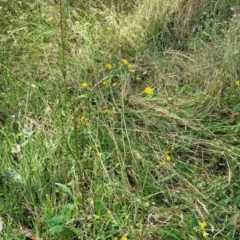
x: 75, y: 155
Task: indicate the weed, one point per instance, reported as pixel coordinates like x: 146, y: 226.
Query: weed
x: 119, y: 120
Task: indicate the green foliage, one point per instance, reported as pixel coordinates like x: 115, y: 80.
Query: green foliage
x: 119, y: 120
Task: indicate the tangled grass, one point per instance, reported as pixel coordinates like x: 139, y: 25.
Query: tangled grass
x: 119, y: 120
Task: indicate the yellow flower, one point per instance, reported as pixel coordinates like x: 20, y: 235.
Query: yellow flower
x: 168, y: 158
x: 205, y: 234
x: 132, y: 70
x: 109, y: 212
x: 203, y: 225
x: 163, y: 163
x: 138, y: 78
x: 106, y: 111
x: 84, y: 84
x: 109, y: 66
x: 113, y: 112
x: 149, y: 91
x: 114, y: 84
x: 82, y: 118
x: 105, y: 82
x: 125, y: 61
x: 237, y: 82
x: 124, y: 238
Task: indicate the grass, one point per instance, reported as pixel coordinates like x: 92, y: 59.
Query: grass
x: 97, y: 147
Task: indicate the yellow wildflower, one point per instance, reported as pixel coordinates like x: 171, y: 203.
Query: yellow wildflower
x: 114, y: 84
x: 113, y: 112
x: 237, y: 82
x: 203, y: 225
x: 109, y: 66
x: 149, y: 91
x: 132, y: 70
x: 124, y: 238
x: 106, y: 111
x: 130, y: 66
x: 84, y: 84
x: 205, y: 234
x: 163, y: 163
x: 109, y: 212
x: 82, y: 118
x: 105, y: 82
x: 168, y: 158
x: 125, y: 61
x: 138, y: 78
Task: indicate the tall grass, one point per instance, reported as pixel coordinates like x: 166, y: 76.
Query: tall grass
x: 87, y: 152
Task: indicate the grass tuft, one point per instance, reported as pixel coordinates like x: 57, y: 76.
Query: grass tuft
x: 119, y: 120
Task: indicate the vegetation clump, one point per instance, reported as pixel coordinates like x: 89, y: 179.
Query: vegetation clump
x: 119, y: 119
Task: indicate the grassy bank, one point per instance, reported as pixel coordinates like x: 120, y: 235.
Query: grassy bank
x: 120, y: 120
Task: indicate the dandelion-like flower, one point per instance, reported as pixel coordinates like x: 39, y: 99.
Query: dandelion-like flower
x: 109, y: 66
x: 84, y: 84
x: 105, y: 82
x: 125, y: 61
x: 138, y: 78
x: 203, y: 225
x: 113, y: 112
x: 237, y: 82
x: 205, y: 234
x: 168, y: 158
x: 106, y: 111
x: 124, y: 238
x: 149, y: 91
x: 132, y: 70
x: 163, y: 163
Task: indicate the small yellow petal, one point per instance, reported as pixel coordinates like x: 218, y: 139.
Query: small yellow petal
x: 84, y: 84
x: 132, y: 70
x: 113, y: 112
x: 105, y: 111
x: 149, y: 91
x: 124, y: 238
x: 237, y: 82
x: 205, y: 234
x: 168, y: 158
x: 203, y: 225
x: 109, y: 66
x: 125, y: 61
